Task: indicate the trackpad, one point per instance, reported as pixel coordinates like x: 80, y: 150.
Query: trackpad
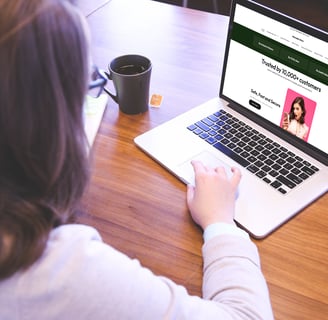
x: 186, y: 171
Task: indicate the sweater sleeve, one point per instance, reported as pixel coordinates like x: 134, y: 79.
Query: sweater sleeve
x: 233, y: 284
x: 233, y: 278
x: 80, y: 277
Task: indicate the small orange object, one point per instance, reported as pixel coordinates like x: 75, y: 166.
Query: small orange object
x: 156, y: 100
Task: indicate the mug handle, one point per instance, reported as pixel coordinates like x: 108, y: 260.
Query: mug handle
x: 113, y: 96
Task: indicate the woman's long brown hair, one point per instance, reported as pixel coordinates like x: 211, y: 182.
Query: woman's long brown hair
x: 43, y: 159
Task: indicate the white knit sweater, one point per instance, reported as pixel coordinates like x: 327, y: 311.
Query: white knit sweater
x: 80, y: 277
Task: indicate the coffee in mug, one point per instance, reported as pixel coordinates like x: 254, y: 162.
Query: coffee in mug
x: 130, y: 69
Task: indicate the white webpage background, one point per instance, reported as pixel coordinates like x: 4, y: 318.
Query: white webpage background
x: 247, y: 77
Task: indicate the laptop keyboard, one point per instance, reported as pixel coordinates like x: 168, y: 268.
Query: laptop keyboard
x: 266, y: 159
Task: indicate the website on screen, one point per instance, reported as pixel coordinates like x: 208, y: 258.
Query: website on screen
x: 281, y: 74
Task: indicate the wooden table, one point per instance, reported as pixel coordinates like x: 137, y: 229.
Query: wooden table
x: 138, y: 206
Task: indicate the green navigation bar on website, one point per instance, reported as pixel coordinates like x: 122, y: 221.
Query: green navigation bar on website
x: 294, y: 59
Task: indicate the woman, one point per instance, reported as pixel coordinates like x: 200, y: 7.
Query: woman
x: 294, y: 121
x: 51, y: 269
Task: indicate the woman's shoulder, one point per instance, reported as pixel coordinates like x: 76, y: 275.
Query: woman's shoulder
x: 80, y: 244
x: 77, y: 243
x: 72, y: 232
x: 75, y: 272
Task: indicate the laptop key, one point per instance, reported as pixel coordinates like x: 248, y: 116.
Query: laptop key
x: 215, y: 127
x: 241, y: 144
x: 261, y: 174
x: 252, y: 143
x: 276, y: 166
x: 269, y: 146
x: 207, y: 121
x: 267, y: 180
x: 231, y: 154
x: 259, y: 148
x: 238, y: 150
x: 296, y: 171
x: 273, y: 156
x: 294, y: 178
x: 211, y: 140
x: 286, y: 182
x: 281, y: 161
x: 236, y: 125
x: 303, y: 176
x: 245, y: 154
x: 276, y: 150
x: 288, y: 166
x: 213, y: 117
x: 298, y: 164
x: 228, y: 135
x: 204, y: 135
x: 266, y: 168
x: 259, y: 163
x: 253, y: 168
x: 212, y: 133
x: 307, y: 170
x: 218, y: 137
x: 261, y: 157
x: 276, y: 184
x: 273, y: 173
x: 290, y: 159
x: 266, y: 152
x: 203, y: 126
x: 246, y: 139
x: 198, y: 131
x: 314, y: 168
x: 269, y: 162
x: 231, y: 145
x: 282, y: 190
x: 283, y: 171
x: 192, y: 127
x: 251, y: 159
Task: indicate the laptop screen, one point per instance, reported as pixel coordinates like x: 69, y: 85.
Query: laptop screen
x: 276, y: 72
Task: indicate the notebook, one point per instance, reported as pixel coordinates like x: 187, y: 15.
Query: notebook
x: 93, y: 109
x: 270, y: 119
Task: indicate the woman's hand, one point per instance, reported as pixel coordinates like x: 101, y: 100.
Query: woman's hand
x: 213, y: 197
x: 285, y: 121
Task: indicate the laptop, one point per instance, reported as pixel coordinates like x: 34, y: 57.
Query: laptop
x: 270, y: 119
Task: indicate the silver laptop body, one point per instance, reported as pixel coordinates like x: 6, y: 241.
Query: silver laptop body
x: 271, y: 60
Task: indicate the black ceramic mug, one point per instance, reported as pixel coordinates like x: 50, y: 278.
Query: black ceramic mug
x: 131, y: 78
